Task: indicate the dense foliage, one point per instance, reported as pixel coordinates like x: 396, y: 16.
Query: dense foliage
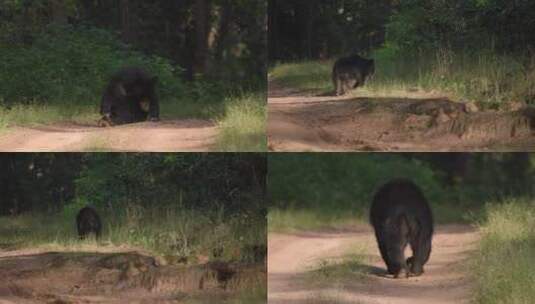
x: 316, y: 29
x: 65, y: 51
x: 48, y: 182
x: 348, y: 182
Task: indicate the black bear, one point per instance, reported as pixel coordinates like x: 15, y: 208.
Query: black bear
x: 87, y: 222
x: 400, y: 214
x: 351, y: 72
x: 129, y: 97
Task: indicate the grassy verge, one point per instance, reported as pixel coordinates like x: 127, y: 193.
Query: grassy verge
x: 287, y: 220
x: 504, y: 268
x: 172, y: 233
x: 330, y: 276
x: 243, y: 126
x: 484, y: 77
x: 32, y: 114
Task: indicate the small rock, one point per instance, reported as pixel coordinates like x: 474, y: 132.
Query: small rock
x: 441, y: 116
x: 516, y: 105
x: 471, y: 107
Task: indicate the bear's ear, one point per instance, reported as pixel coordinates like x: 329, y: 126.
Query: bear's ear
x: 154, y: 79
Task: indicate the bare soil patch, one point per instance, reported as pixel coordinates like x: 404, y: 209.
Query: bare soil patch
x: 117, y: 277
x: 301, y: 122
x: 445, y: 279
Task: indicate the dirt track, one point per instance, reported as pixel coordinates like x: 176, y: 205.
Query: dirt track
x: 164, y: 136
x: 292, y: 255
x: 306, y: 121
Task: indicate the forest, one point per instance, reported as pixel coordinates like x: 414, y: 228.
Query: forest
x: 194, y: 216
x: 477, y: 50
x: 456, y: 183
x: 208, y: 56
x: 482, y: 207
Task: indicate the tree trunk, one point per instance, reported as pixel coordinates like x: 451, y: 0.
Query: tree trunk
x: 201, y: 13
x: 223, y: 30
x: 59, y: 14
x: 125, y: 21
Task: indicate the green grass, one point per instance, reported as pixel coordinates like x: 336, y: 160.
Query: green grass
x: 171, y: 232
x: 504, y: 264
x: 307, y: 75
x: 32, y: 114
x: 287, y: 220
x: 254, y: 295
x: 484, y: 77
x: 350, y: 267
x: 191, y: 108
x: 243, y: 126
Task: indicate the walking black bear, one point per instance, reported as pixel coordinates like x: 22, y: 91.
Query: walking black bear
x: 400, y: 214
x: 351, y: 72
x: 87, y: 222
x: 129, y: 97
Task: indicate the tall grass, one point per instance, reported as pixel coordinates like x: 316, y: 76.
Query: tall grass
x: 504, y: 265
x: 175, y: 233
x: 484, y: 76
x: 243, y: 126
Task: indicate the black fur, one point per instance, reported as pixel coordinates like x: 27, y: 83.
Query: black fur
x: 125, y: 98
x: 400, y: 214
x: 87, y: 222
x: 351, y: 72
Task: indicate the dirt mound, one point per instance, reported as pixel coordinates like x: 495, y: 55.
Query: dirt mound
x: 319, y: 123
x: 291, y: 256
x: 164, y: 136
x: 117, y: 278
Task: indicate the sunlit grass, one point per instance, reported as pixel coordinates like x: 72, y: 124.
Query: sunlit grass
x: 504, y: 264
x: 243, y: 126
x: 32, y: 114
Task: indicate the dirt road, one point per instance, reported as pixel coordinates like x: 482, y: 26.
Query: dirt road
x: 306, y: 121
x: 164, y: 136
x: 292, y: 255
